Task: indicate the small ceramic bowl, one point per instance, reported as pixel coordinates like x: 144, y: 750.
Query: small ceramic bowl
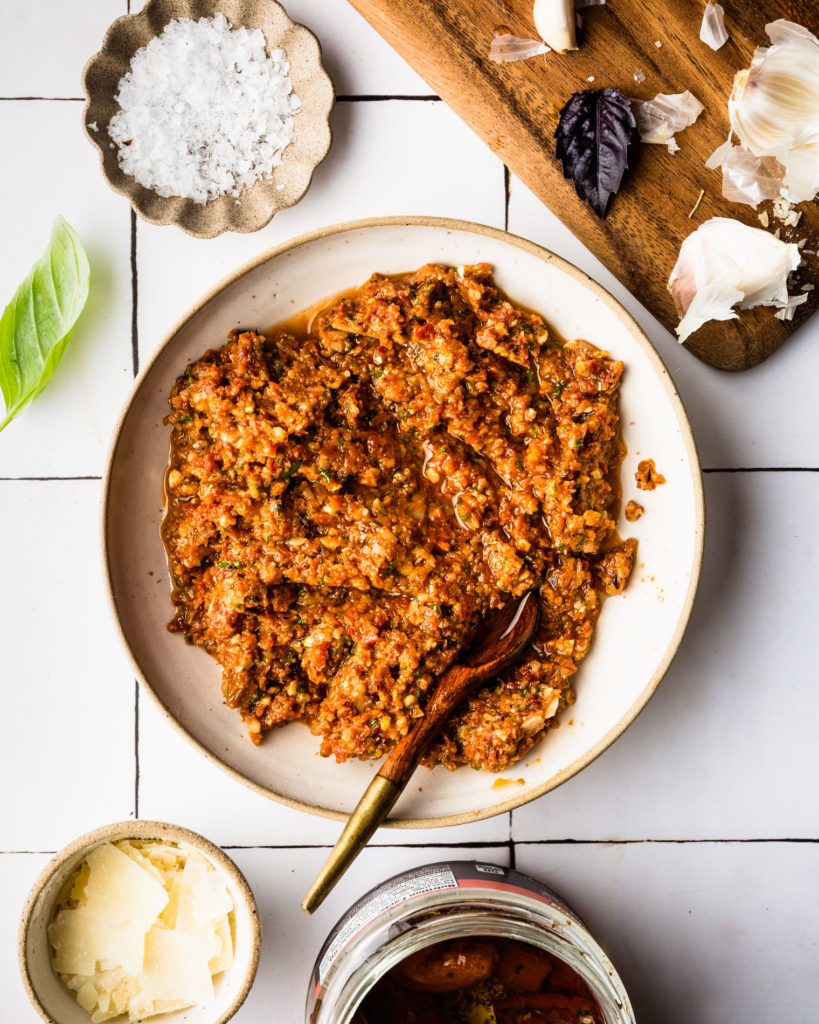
x: 50, y: 997
x: 257, y: 204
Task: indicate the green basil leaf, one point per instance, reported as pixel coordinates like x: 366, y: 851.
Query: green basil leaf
x: 36, y: 325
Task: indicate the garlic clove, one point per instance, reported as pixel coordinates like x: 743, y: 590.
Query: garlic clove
x: 554, y: 20
x: 726, y: 264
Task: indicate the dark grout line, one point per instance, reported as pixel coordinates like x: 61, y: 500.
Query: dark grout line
x: 12, y: 479
x: 498, y: 844
x: 487, y: 845
x: 136, y: 749
x: 656, y: 842
x: 135, y: 366
x: 767, y: 469
x: 45, y: 99
x: 377, y: 98
x: 511, y: 844
x: 27, y: 853
x: 506, y: 180
x: 134, y: 291
x: 361, y: 98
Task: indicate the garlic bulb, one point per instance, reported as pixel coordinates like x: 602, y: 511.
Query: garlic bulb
x: 725, y: 264
x: 774, y: 106
x: 659, y: 119
x: 712, y: 30
x: 554, y: 20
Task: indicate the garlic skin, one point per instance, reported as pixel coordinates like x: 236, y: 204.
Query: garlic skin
x: 746, y: 177
x: 774, y: 106
x: 658, y: 120
x: 726, y: 264
x: 506, y: 48
x: 712, y: 30
x: 554, y: 20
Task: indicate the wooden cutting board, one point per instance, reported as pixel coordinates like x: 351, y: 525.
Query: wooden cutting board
x: 514, y: 108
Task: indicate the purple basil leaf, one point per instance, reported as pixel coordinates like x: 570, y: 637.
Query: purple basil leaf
x: 594, y: 135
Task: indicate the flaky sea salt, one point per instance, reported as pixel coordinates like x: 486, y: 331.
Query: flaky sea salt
x: 204, y: 110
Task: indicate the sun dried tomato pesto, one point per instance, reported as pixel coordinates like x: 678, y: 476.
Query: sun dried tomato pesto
x: 344, y: 507
x: 647, y: 476
x: 480, y: 979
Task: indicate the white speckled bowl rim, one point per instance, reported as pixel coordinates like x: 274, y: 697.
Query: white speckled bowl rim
x: 258, y: 204
x: 39, y: 907
x: 689, y: 476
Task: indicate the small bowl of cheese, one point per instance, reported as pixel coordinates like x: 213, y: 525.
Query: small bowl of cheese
x: 137, y: 919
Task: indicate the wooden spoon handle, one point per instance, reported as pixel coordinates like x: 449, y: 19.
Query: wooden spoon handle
x: 385, y: 788
x: 404, y: 757
x: 373, y: 807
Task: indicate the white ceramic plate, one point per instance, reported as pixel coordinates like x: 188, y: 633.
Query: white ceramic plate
x: 637, y: 634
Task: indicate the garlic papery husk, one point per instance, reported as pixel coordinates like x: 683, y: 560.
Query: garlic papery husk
x: 786, y: 312
x: 774, y: 106
x: 507, y: 48
x: 746, y: 177
x: 659, y: 119
x: 712, y: 30
x: 554, y: 20
x: 801, y: 181
x: 726, y: 264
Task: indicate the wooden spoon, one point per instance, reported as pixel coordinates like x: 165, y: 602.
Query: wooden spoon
x: 500, y: 640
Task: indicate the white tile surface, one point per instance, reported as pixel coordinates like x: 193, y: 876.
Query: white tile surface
x: 175, y: 269
x: 355, y: 56
x: 279, y: 879
x: 705, y: 932
x: 66, y: 733
x: 91, y: 382
x: 201, y: 791
x: 726, y: 747
x: 760, y: 417
x: 44, y: 48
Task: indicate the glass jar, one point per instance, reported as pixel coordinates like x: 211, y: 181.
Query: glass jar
x: 446, y: 901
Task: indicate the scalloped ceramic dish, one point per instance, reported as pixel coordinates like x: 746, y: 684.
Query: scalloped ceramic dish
x: 637, y: 634
x: 257, y: 204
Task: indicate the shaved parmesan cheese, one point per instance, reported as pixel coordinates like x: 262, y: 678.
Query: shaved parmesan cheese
x: 175, y: 969
x: 712, y: 30
x: 726, y: 264
x: 121, y: 892
x: 142, y: 926
x: 82, y: 939
x: 224, y: 958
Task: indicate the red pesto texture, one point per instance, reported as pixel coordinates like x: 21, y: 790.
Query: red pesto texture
x: 647, y: 476
x: 346, y: 505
